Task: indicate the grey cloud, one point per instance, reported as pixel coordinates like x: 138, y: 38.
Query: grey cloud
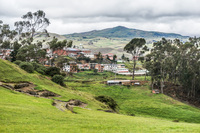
x: 164, y: 15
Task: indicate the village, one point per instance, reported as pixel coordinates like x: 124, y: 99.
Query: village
x: 109, y: 61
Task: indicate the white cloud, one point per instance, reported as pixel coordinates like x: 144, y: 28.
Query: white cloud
x: 69, y: 16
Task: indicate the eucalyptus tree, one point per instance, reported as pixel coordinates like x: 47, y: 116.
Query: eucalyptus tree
x: 6, y: 35
x: 159, y: 61
x: 136, y: 47
x: 177, y: 63
x: 32, y: 23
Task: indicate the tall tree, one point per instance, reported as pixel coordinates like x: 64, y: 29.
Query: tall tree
x: 33, y: 22
x: 6, y: 35
x: 136, y: 47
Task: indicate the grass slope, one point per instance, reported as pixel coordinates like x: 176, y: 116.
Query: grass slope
x: 22, y: 113
x: 137, y: 100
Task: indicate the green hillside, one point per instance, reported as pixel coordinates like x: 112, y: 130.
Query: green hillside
x: 123, y: 32
x: 153, y: 113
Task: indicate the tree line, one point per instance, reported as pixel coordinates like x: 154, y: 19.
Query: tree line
x: 170, y: 61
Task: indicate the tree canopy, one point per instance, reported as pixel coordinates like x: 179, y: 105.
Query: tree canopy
x: 32, y: 23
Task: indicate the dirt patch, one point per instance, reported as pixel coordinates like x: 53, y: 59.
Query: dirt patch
x: 78, y: 103
x: 46, y: 93
x: 21, y: 85
x: 28, y: 88
x: 61, y: 105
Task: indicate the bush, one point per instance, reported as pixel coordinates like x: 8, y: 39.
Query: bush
x: 17, y: 62
x: 109, y: 101
x: 63, y: 74
x: 27, y: 67
x: 39, y: 70
x: 59, y: 79
x: 51, y: 71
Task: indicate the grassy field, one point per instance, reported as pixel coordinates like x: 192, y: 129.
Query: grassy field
x: 22, y: 113
x: 137, y: 100
x: 91, y: 76
x: 153, y: 113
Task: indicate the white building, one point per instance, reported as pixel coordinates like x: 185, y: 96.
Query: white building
x: 123, y: 71
x: 110, y: 67
x: 66, y: 67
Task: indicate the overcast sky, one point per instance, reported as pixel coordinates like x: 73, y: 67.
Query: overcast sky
x: 70, y: 16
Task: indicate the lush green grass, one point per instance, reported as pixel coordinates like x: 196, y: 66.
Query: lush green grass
x: 91, y: 76
x: 139, y: 100
x: 23, y: 113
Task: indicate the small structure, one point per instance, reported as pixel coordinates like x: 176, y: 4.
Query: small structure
x: 155, y: 91
x: 5, y: 53
x: 66, y: 67
x: 71, y: 67
x: 125, y: 82
x: 99, y: 67
x: 110, y: 67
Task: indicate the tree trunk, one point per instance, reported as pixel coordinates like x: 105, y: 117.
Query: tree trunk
x: 161, y: 80
x: 134, y: 64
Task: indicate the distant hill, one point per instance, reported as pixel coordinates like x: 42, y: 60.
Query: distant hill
x: 123, y: 32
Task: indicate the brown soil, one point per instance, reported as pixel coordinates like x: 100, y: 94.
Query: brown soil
x: 61, y: 105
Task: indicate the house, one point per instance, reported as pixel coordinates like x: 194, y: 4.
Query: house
x: 123, y: 71
x: 71, y: 67
x: 5, y: 53
x: 66, y: 67
x: 109, y: 55
x: 125, y: 82
x: 99, y: 67
x: 85, y: 66
x: 110, y: 67
x: 60, y: 52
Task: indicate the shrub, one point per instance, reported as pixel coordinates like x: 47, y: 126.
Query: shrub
x: 39, y: 70
x: 17, y: 62
x: 27, y: 67
x: 63, y: 74
x: 37, y: 65
x: 51, y: 71
x: 59, y: 79
x: 109, y: 101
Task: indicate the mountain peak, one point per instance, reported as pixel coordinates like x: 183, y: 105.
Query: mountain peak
x: 120, y: 27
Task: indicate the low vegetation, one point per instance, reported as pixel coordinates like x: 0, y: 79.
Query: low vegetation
x: 153, y: 113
